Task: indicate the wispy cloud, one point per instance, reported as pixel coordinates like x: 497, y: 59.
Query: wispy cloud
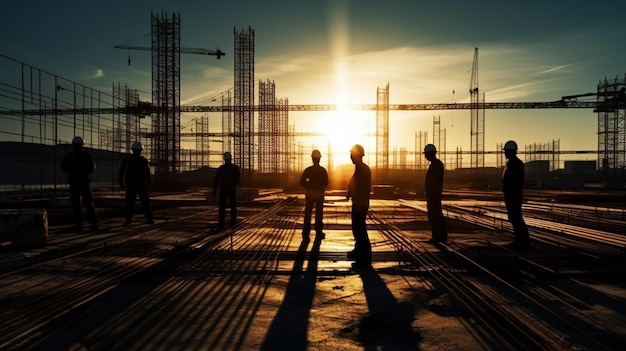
x: 553, y: 69
x: 98, y: 74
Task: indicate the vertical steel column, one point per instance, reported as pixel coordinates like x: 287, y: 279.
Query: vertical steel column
x: 382, y: 131
x: 244, y: 99
x: 166, y: 97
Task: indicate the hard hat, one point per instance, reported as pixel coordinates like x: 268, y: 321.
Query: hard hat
x: 227, y: 156
x: 510, y: 145
x: 430, y: 148
x: 316, y: 154
x: 358, y: 149
x: 137, y: 146
x: 78, y: 141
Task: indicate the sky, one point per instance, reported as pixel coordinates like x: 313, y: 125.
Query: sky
x: 341, y: 51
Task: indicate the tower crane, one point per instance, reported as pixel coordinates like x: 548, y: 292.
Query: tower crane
x: 166, y: 50
x: 217, y: 52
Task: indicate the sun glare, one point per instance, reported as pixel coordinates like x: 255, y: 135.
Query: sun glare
x: 344, y: 129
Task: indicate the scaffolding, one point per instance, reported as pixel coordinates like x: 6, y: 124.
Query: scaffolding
x: 403, y: 158
x: 202, y: 142
x: 611, y: 125
x: 421, y: 139
x: 458, y: 159
x: 40, y: 113
x: 293, y: 160
x: 544, y: 152
x: 166, y: 97
x: 267, y: 122
x: 244, y: 99
x: 273, y: 130
x: 227, y: 123
x: 439, y: 137
x: 382, y: 130
x: 477, y: 119
x: 127, y: 128
x: 282, y: 137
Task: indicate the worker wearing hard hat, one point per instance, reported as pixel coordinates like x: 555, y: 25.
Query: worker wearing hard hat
x: 314, y: 179
x: 135, y: 178
x: 359, y: 191
x: 433, y: 184
x: 513, y: 187
x: 78, y: 164
x: 227, y: 180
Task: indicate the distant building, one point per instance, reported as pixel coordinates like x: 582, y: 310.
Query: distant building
x: 580, y: 168
x: 537, y: 168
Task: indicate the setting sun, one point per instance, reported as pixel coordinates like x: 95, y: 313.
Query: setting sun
x: 344, y: 129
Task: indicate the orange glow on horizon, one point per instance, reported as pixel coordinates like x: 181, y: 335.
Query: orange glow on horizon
x: 343, y: 129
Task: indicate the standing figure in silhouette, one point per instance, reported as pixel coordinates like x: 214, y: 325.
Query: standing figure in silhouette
x: 227, y: 180
x: 135, y: 178
x: 513, y: 187
x: 434, y: 187
x: 359, y: 191
x: 78, y: 164
x: 314, y: 179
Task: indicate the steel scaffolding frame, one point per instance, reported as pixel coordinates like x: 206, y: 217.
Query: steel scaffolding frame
x: 267, y: 157
x: 202, y: 142
x: 273, y: 130
x: 421, y: 139
x: 166, y: 96
x: 544, y: 152
x: 227, y: 123
x: 382, y: 130
x: 244, y: 99
x: 611, y: 125
x: 282, y: 137
x: 439, y: 137
x: 477, y: 119
x: 127, y: 126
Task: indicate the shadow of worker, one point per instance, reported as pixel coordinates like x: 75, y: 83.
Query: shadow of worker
x: 289, y: 328
x: 388, y: 324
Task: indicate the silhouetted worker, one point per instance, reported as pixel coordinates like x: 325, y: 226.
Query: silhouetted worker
x: 359, y: 191
x: 78, y: 164
x: 135, y: 178
x: 434, y: 187
x: 227, y: 179
x: 314, y: 179
x: 512, y: 187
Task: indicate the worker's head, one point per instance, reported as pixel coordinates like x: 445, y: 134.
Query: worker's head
x: 510, y: 149
x: 228, y: 157
x: 137, y: 148
x: 430, y: 151
x: 77, y: 143
x: 356, y: 153
x: 316, y: 155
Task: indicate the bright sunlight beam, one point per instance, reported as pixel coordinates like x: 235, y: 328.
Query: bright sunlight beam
x: 344, y: 129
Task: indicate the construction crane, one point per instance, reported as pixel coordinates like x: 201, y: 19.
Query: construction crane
x: 165, y: 130
x: 217, y: 52
x: 477, y: 117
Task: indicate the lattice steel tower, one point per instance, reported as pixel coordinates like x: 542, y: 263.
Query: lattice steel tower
x: 126, y: 126
x: 166, y: 96
x: 611, y: 125
x: 244, y: 99
x: 382, y: 130
x: 273, y: 130
x: 267, y: 120
x: 227, y: 122
x: 477, y: 125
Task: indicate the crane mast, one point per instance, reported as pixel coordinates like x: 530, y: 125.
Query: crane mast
x: 477, y: 125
